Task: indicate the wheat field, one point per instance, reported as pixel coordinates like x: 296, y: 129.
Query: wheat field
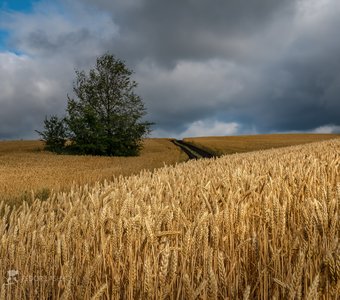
x: 260, y: 225
x: 25, y: 168
x: 245, y: 143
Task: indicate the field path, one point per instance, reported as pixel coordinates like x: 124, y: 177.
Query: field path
x: 192, y: 151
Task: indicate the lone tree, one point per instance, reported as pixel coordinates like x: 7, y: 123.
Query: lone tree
x: 105, y: 116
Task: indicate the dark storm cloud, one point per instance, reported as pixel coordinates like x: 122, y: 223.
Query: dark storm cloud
x: 167, y: 31
x: 191, y: 91
x: 43, y: 43
x: 287, y: 70
x: 202, y: 66
x: 301, y: 90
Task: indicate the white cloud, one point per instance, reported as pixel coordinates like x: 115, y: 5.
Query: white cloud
x: 327, y: 129
x: 313, y: 8
x: 208, y: 128
x: 30, y: 89
x: 52, y: 43
x: 203, y: 128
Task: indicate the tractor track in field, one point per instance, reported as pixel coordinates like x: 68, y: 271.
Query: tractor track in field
x: 192, y: 151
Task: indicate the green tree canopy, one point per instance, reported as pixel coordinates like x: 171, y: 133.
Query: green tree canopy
x: 105, y: 116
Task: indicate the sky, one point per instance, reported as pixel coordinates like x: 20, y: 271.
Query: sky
x: 203, y: 67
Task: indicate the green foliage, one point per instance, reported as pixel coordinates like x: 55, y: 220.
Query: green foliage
x: 54, y: 134
x: 105, y: 116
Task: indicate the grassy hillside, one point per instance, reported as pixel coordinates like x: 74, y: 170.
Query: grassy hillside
x: 238, y: 144
x: 260, y: 225
x: 25, y: 167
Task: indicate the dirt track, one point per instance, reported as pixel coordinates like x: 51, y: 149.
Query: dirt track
x: 192, y: 151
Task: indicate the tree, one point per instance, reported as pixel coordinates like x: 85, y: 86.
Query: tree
x: 54, y: 134
x: 105, y: 116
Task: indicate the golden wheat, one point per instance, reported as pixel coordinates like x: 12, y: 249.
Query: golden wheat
x: 24, y: 167
x: 260, y: 225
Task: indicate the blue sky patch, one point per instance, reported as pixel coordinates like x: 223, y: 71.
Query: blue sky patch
x: 23, y: 6
x: 3, y: 37
x: 17, y: 5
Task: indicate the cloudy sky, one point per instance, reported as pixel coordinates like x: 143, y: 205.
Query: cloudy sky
x: 204, y: 67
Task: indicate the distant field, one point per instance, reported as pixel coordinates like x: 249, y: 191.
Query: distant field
x: 238, y: 144
x: 25, y: 167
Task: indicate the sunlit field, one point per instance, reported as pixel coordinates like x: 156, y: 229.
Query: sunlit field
x: 259, y: 225
x: 24, y: 167
x: 238, y: 144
